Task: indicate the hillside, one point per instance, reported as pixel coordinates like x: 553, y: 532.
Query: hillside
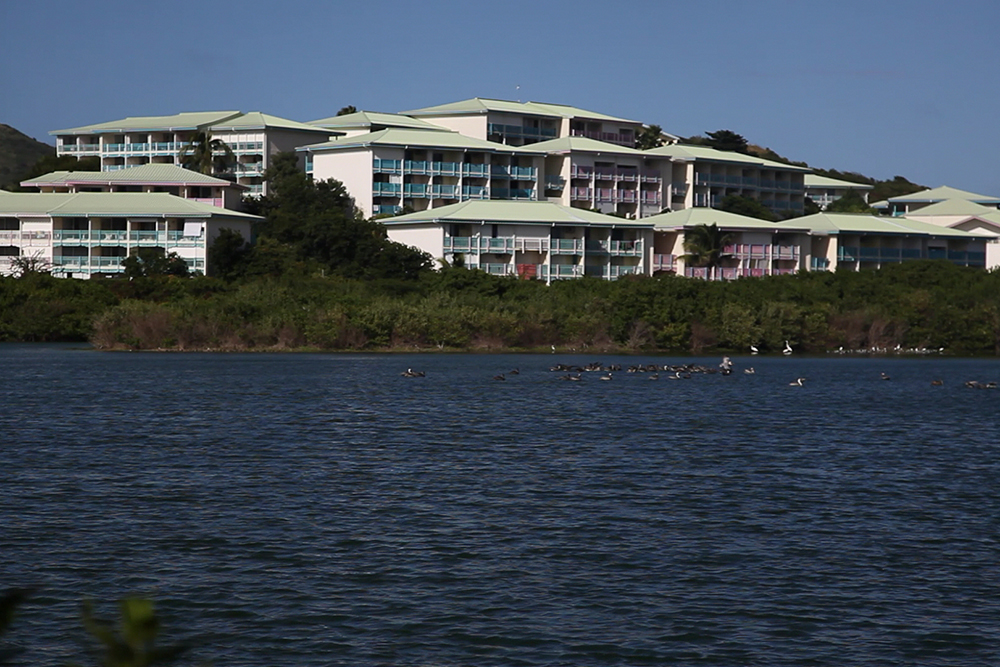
x: 18, y: 153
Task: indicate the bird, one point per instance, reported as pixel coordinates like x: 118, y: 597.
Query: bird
x: 937, y: 383
x: 515, y: 371
x: 410, y: 373
x: 800, y: 382
x: 749, y: 371
x: 654, y: 376
x: 884, y: 376
x: 754, y: 350
x: 787, y: 350
x: 499, y: 377
x: 605, y: 377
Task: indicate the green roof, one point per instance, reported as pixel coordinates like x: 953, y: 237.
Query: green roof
x: 417, y: 139
x: 817, y: 181
x: 853, y: 223
x: 686, y: 152
x: 363, y: 119
x: 146, y: 174
x: 955, y: 207
x: 583, y: 145
x: 690, y: 217
x: 111, y: 205
x: 523, y: 212
x: 940, y: 194
x: 181, y: 121
x: 256, y: 120
x: 482, y: 105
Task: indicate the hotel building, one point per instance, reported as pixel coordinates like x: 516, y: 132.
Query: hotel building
x: 253, y: 137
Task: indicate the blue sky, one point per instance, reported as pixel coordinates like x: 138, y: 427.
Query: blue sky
x: 883, y: 87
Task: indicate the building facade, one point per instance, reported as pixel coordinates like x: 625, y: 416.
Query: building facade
x: 167, y: 178
x: 393, y: 170
x: 823, y: 190
x: 253, y: 137
x: 89, y: 234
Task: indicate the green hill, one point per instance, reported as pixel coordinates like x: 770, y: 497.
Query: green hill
x: 18, y: 153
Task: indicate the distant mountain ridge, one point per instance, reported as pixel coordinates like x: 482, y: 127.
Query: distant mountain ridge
x: 18, y: 153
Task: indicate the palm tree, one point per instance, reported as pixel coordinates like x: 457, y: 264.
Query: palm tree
x: 207, y: 155
x: 705, y: 246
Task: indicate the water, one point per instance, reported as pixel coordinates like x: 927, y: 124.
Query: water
x: 324, y: 510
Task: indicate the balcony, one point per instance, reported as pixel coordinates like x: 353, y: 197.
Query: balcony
x: 650, y: 197
x: 555, y: 183
x: 475, y: 170
x: 446, y: 168
x: 663, y: 262
x: 444, y: 192
x: 380, y: 166
x: 762, y: 251
x: 416, y: 190
x: 609, y: 137
x: 383, y: 209
x: 581, y: 172
x: 604, y: 194
x: 563, y: 271
x: 386, y: 189
x: 475, y: 192
x: 626, y: 196
x: 567, y: 246
x: 521, y: 131
x: 819, y: 264
x: 421, y: 167
x: 512, y: 193
x: 580, y: 194
x: 651, y: 177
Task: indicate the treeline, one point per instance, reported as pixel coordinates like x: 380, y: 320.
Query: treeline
x: 921, y: 304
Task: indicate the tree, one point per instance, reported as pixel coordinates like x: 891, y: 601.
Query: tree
x: 705, y: 245
x: 851, y: 202
x: 347, y: 110
x: 148, y: 262
x: 726, y: 140
x: 28, y: 265
x: 747, y: 206
x: 651, y: 136
x: 207, y: 155
x: 228, y: 255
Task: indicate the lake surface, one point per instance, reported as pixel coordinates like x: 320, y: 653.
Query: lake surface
x: 323, y: 510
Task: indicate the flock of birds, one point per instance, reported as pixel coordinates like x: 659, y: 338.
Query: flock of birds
x: 575, y: 373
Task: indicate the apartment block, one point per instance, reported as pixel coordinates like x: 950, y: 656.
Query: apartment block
x: 395, y: 169
x: 703, y: 177
x: 254, y: 137
x: 523, y: 123
x: 89, y: 234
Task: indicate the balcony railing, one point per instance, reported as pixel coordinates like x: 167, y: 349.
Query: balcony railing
x: 663, y: 262
x: 609, y: 137
x: 762, y: 251
x: 380, y: 166
x: 475, y: 170
x: 512, y: 193
x: 475, y: 192
x: 386, y: 189
x: 555, y: 183
x: 382, y: 209
x: 520, y: 131
x: 581, y: 172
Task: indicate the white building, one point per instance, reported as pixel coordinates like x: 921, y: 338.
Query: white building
x: 823, y: 190
x: 967, y: 216
x: 254, y: 137
x: 597, y: 175
x: 703, y: 177
x: 521, y: 123
x: 906, y: 204
x: 392, y: 169
x: 88, y: 234
x: 539, y: 240
x: 152, y: 177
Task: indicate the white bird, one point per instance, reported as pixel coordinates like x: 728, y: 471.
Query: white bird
x: 787, y: 350
x: 800, y: 382
x: 754, y: 350
x: 749, y: 371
